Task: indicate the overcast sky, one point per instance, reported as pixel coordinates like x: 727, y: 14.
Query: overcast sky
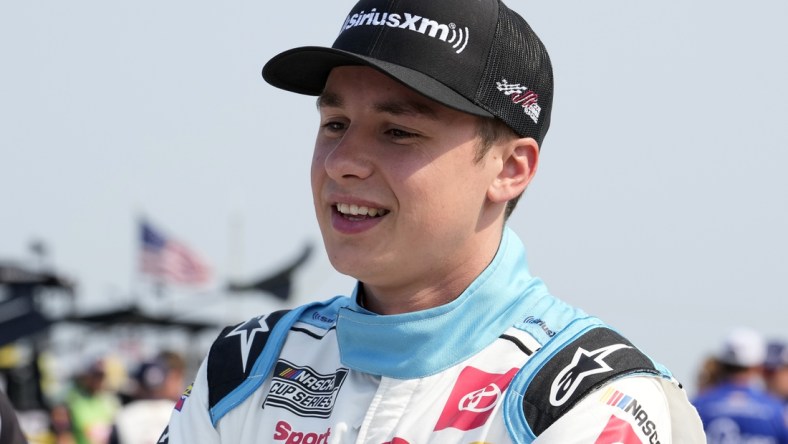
x: 661, y: 203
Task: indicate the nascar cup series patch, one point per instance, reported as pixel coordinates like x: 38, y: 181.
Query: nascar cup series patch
x: 303, y: 391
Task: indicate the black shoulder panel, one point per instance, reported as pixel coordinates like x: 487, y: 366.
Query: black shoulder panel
x: 234, y: 353
x: 582, y: 366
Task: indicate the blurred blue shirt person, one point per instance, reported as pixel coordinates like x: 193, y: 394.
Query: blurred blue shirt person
x: 776, y: 371
x: 738, y: 410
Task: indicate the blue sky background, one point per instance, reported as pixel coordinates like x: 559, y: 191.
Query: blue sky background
x: 660, y: 204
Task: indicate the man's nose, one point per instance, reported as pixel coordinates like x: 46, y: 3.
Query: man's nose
x: 350, y: 157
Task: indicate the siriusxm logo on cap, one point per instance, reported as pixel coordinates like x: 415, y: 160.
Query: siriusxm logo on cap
x: 451, y: 33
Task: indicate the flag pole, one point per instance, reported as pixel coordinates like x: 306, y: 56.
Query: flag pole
x: 236, y: 241
x: 136, y: 276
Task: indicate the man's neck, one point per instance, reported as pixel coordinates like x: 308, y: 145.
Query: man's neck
x: 444, y: 285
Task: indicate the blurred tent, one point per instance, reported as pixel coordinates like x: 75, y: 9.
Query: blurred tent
x: 23, y: 291
x: 14, y: 274
x: 134, y: 316
x: 279, y: 284
x: 21, y: 308
x: 18, y: 319
x: 38, y: 309
x: 20, y: 304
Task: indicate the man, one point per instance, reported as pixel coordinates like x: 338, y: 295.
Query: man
x: 431, y: 118
x: 89, y: 407
x: 776, y: 371
x: 737, y: 410
x: 159, y: 383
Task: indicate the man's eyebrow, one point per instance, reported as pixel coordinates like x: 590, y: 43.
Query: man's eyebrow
x: 329, y: 99
x: 407, y: 108
x: 393, y: 107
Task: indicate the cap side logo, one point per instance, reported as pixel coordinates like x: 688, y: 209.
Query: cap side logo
x: 522, y: 96
x: 452, y: 34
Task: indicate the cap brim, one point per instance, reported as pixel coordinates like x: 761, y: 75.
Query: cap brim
x: 305, y: 70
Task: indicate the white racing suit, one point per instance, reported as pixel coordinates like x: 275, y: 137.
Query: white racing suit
x: 504, y: 363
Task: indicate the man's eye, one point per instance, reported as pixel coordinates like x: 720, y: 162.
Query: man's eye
x: 334, y: 126
x: 401, y: 134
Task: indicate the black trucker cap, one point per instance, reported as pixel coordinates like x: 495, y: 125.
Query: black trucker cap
x: 476, y: 56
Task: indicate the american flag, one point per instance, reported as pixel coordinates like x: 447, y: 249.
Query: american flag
x: 169, y: 260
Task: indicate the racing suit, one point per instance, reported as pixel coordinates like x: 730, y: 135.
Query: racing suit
x: 503, y: 363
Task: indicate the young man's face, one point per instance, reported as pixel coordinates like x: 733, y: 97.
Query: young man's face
x: 398, y: 196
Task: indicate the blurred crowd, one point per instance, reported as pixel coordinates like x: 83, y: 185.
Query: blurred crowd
x: 741, y: 396
x: 743, y: 391
x: 102, y: 405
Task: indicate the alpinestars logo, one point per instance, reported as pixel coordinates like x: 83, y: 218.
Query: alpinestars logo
x: 304, y: 391
x: 523, y: 97
x: 584, y: 364
x: 452, y: 34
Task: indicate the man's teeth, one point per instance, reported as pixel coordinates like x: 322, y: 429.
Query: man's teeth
x: 355, y: 210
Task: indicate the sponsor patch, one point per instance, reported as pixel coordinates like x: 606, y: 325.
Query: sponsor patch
x: 542, y: 324
x: 284, y: 432
x: 320, y: 317
x: 184, y: 397
x: 522, y: 96
x: 584, y: 364
x: 304, y: 391
x: 630, y: 405
x: 456, y: 36
x: 617, y: 431
x: 473, y: 398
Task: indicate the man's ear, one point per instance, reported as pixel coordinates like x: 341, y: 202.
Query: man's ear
x: 519, y: 160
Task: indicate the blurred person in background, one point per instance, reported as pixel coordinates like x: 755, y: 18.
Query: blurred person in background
x: 709, y: 374
x: 10, y: 432
x: 158, y: 385
x: 776, y: 371
x: 89, y: 409
x: 738, y: 409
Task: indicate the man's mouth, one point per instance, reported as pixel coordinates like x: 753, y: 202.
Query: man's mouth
x: 357, y: 212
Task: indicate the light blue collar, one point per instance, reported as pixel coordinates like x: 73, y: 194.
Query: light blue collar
x: 424, y: 343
